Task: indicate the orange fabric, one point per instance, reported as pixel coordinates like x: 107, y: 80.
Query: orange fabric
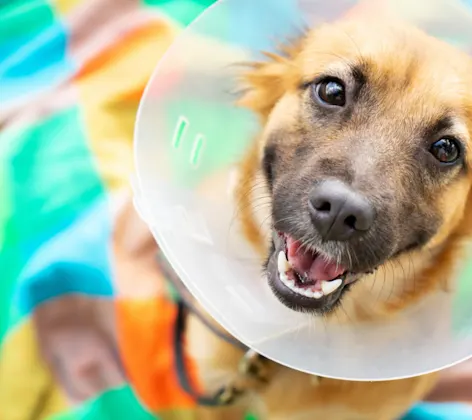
x: 142, y: 35
x: 146, y: 334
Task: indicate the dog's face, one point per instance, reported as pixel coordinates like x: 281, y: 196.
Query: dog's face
x: 365, y: 155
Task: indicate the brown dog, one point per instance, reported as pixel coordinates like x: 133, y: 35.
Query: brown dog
x: 364, y: 156
x: 364, y: 150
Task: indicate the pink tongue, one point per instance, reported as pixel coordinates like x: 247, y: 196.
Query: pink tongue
x: 315, y: 267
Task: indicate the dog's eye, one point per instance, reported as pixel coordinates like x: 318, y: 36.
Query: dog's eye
x: 446, y: 150
x: 331, y: 92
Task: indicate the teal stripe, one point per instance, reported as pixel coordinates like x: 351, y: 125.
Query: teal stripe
x: 52, y: 179
x: 23, y: 17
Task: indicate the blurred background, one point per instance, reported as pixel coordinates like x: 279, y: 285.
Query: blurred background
x: 72, y: 73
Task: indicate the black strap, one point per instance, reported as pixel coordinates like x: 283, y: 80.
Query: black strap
x: 185, y: 383
x: 187, y: 300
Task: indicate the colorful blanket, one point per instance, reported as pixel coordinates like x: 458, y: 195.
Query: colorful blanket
x: 71, y: 76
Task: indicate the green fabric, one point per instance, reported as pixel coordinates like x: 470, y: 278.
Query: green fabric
x: 20, y: 17
x: 110, y: 406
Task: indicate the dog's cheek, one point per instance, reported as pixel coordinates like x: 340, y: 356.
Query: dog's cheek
x: 289, y: 208
x: 450, y: 206
x: 280, y: 157
x: 416, y: 224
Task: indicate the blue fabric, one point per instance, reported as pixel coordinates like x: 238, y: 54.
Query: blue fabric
x: 75, y: 261
x: 33, y: 64
x: 440, y: 411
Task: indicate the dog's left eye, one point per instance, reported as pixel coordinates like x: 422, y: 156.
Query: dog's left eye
x: 331, y: 91
x: 446, y: 150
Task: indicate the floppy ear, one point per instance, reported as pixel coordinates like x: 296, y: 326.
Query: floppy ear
x: 265, y: 82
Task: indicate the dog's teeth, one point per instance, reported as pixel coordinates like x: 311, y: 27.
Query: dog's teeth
x: 330, y: 286
x: 282, y: 264
x: 285, y: 280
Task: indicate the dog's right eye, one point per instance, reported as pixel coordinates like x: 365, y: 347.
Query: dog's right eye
x: 446, y: 150
x: 331, y: 92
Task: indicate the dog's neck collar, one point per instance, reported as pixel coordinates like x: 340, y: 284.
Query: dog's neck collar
x: 253, y: 370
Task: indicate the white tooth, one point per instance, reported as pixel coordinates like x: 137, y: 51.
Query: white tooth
x: 283, y: 277
x: 285, y: 280
x: 282, y: 264
x: 330, y: 286
x: 318, y: 295
x: 308, y: 293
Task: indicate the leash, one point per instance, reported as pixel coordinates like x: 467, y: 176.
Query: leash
x: 253, y: 370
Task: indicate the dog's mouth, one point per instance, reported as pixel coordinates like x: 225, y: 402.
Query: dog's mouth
x: 304, y: 278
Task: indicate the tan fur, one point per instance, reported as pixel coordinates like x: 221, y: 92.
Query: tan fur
x: 414, y: 87
x: 295, y: 395
x: 275, y: 83
x: 250, y: 227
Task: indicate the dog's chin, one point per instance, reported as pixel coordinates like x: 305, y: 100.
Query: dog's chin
x: 307, y: 280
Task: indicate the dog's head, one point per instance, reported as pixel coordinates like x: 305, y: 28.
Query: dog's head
x: 365, y: 154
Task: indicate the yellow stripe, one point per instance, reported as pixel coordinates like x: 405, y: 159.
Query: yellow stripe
x: 109, y: 96
x: 27, y: 389
x: 65, y: 6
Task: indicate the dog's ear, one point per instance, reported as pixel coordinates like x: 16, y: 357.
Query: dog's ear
x: 265, y: 82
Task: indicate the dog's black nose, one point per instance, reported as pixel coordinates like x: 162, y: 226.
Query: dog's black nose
x: 338, y: 212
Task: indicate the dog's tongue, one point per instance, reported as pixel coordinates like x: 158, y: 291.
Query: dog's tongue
x: 314, y: 266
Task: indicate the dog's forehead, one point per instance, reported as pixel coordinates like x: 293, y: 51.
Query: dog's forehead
x: 393, y: 53
x: 410, y: 72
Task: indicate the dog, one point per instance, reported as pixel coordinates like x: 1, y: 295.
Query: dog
x: 364, y: 158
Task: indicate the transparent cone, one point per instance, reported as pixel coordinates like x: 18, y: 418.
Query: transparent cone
x: 189, y: 136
